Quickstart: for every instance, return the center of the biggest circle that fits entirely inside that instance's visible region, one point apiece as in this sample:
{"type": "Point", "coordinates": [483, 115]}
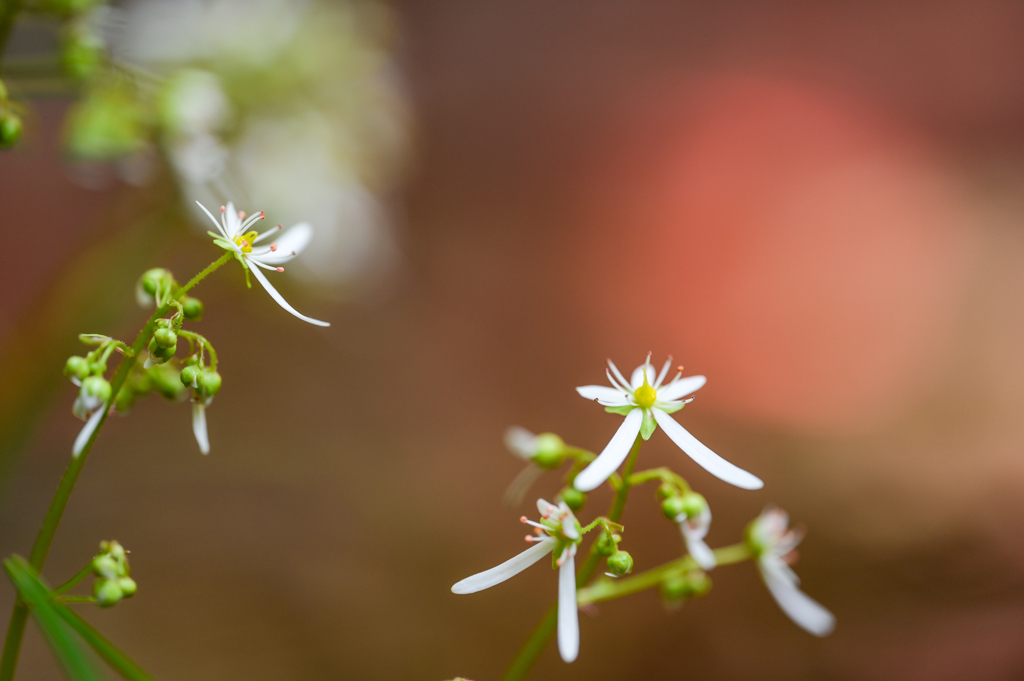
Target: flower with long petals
{"type": "Point", "coordinates": [694, 526]}
{"type": "Point", "coordinates": [558, 532]}
{"type": "Point", "coordinates": [773, 544]}
{"type": "Point", "coordinates": [232, 236]}
{"type": "Point", "coordinates": [646, 405]}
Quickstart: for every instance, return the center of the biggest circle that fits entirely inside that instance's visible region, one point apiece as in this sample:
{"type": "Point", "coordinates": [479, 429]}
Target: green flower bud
{"type": "Point", "coordinates": [208, 382]}
{"type": "Point", "coordinates": [106, 566]}
{"type": "Point", "coordinates": [550, 450]}
{"type": "Point", "coordinates": [675, 588]}
{"type": "Point", "coordinates": [10, 129]}
{"type": "Point", "coordinates": [166, 382]}
{"type": "Point", "coordinates": [98, 368]}
{"type": "Point", "coordinates": [693, 504]}
{"type": "Point", "coordinates": [620, 563]}
{"type": "Point", "coordinates": [699, 582]}
{"type": "Point", "coordinates": [159, 353]}
{"type": "Point", "coordinates": [165, 338]}
{"type": "Point", "coordinates": [573, 498]}
{"type": "Point", "coordinates": [128, 586]}
{"type": "Point", "coordinates": [107, 592]}
{"type": "Point", "coordinates": [153, 279]}
{"type": "Point", "coordinates": [96, 387]}
{"type": "Point", "coordinates": [192, 308]}
{"type": "Point", "coordinates": [690, 585]}
{"type": "Point", "coordinates": [672, 507]}
{"type": "Point", "coordinates": [77, 367]}
{"type": "Point", "coordinates": [188, 376]}
{"type": "Point", "coordinates": [607, 544]}
{"type": "Point", "coordinates": [666, 490]}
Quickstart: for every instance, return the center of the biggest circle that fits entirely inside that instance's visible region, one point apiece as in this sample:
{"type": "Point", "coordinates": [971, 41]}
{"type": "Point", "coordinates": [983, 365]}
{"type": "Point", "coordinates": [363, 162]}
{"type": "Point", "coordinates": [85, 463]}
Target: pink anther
{"type": "Point", "coordinates": [280, 269]}
{"type": "Point", "coordinates": [241, 215]}
{"type": "Point", "coordinates": [223, 209]}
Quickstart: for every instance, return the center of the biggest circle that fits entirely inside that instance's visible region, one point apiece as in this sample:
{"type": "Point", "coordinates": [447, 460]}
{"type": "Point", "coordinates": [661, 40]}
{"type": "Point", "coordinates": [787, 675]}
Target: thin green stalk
{"type": "Point", "coordinates": [19, 616]}
{"type": "Point", "coordinates": [8, 11]}
{"type": "Point", "coordinates": [542, 635]}
{"type": "Point", "coordinates": [71, 583]}
{"type": "Point", "coordinates": [107, 650]}
{"type": "Point", "coordinates": [606, 590]}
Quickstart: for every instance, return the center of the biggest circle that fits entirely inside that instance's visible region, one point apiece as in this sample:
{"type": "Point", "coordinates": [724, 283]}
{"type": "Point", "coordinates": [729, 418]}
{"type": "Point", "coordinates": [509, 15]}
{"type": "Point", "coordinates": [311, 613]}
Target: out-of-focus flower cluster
{"type": "Point", "coordinates": [296, 106]}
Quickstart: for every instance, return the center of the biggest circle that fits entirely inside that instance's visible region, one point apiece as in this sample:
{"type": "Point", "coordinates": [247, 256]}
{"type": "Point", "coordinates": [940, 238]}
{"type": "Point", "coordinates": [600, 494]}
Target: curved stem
{"type": "Point", "coordinates": [541, 636]}
{"type": "Point", "coordinates": [41, 547]}
{"type": "Point", "coordinates": [71, 583]}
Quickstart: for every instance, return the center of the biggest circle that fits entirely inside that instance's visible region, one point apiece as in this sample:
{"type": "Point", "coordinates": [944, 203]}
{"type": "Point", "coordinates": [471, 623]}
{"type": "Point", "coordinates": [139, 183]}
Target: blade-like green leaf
{"type": "Point", "coordinates": [66, 647]}
{"type": "Point", "coordinates": [114, 657]}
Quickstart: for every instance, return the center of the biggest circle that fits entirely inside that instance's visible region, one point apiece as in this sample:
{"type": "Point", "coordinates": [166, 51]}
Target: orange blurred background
{"type": "Point", "coordinates": [818, 206]}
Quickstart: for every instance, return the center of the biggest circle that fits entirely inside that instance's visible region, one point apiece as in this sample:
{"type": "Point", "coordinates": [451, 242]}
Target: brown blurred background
{"type": "Point", "coordinates": [817, 205]}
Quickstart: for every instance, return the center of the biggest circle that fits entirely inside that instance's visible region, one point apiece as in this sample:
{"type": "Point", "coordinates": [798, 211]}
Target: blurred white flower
{"type": "Point", "coordinates": [292, 105]}
{"type": "Point", "coordinates": [233, 237]}
{"type": "Point", "coordinates": [645, 404]}
{"type": "Point", "coordinates": [773, 543]}
{"type": "Point", "coordinates": [557, 531]}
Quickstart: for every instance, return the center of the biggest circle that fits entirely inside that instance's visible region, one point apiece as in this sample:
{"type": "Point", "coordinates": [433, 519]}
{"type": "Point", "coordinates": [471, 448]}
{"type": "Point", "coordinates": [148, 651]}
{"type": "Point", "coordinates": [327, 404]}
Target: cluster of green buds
{"type": "Point", "coordinates": [679, 504]}
{"type": "Point", "coordinates": [618, 562]}
{"type": "Point", "coordinates": [10, 121]}
{"type": "Point", "coordinates": [157, 287]}
{"type": "Point", "coordinates": [113, 580]}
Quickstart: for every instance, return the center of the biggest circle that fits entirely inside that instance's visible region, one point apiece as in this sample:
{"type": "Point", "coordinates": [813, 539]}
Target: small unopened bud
{"type": "Point", "coordinates": [550, 450]}
{"type": "Point", "coordinates": [607, 544]}
{"type": "Point", "coordinates": [107, 592]}
{"type": "Point", "coordinates": [666, 490]}
{"type": "Point", "coordinates": [672, 507]}
{"type": "Point", "coordinates": [96, 387]}
{"type": "Point", "coordinates": [693, 504]}
{"type": "Point", "coordinates": [159, 353]}
{"type": "Point", "coordinates": [10, 128]}
{"type": "Point", "coordinates": [620, 563]}
{"type": "Point", "coordinates": [153, 279]}
{"type": "Point", "coordinates": [76, 367]}
{"type": "Point", "coordinates": [192, 308]}
{"type": "Point", "coordinates": [573, 498]}
{"type": "Point", "coordinates": [679, 587]}
{"type": "Point", "coordinates": [165, 338]}
{"type": "Point", "coordinates": [699, 582]}
{"type": "Point", "coordinates": [106, 566]}
{"type": "Point", "coordinates": [208, 382]}
{"type": "Point", "coordinates": [128, 586]}
{"type": "Point", "coordinates": [188, 376]}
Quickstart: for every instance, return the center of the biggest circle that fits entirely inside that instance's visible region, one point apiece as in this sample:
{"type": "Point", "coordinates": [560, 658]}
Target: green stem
{"type": "Point", "coordinates": [541, 636]}
{"type": "Point", "coordinates": [76, 599]}
{"type": "Point", "coordinates": [107, 650]}
{"type": "Point", "coordinates": [19, 616]}
{"type": "Point", "coordinates": [606, 590]}
{"type": "Point", "coordinates": [8, 10]}
{"type": "Point", "coordinates": [71, 583]}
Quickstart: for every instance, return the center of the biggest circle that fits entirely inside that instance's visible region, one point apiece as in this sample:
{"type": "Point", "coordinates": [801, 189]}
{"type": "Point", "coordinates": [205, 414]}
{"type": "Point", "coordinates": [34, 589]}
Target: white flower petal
{"type": "Point", "coordinates": [545, 508]}
{"type": "Point", "coordinates": [699, 550]}
{"type": "Point", "coordinates": [806, 612]}
{"type": "Point", "coordinates": [609, 397]}
{"type": "Point", "coordinates": [87, 431]}
{"type": "Point", "coordinates": [260, 277]}
{"type": "Point", "coordinates": [681, 388]}
{"type": "Point", "coordinates": [521, 484]}
{"type": "Point", "coordinates": [233, 222]}
{"type": "Point", "coordinates": [521, 442]}
{"type": "Point", "coordinates": [696, 450]}
{"type": "Point", "coordinates": [295, 238]}
{"type": "Point", "coordinates": [511, 567]}
{"type": "Point", "coordinates": [614, 453]}
{"type": "Point", "coordinates": [568, 616]}
{"type": "Point", "coordinates": [216, 222]}
{"type": "Point", "coordinates": [199, 427]}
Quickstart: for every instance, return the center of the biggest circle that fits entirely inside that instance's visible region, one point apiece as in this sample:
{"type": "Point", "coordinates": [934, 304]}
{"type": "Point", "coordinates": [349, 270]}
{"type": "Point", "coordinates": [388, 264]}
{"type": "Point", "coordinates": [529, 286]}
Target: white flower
{"type": "Point", "coordinates": [694, 530]}
{"type": "Point", "coordinates": [773, 542]}
{"type": "Point", "coordinates": [557, 531]}
{"type": "Point", "coordinates": [233, 237]}
{"type": "Point", "coordinates": [645, 406]}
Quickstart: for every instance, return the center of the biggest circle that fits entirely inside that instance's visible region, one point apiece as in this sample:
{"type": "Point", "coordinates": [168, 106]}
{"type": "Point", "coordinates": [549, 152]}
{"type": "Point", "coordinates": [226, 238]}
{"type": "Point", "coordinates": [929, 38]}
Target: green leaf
{"type": "Point", "coordinates": [114, 657]}
{"type": "Point", "coordinates": [66, 647]}
{"type": "Point", "coordinates": [223, 244]}
{"type": "Point", "coordinates": [624, 409]}
{"type": "Point", "coordinates": [673, 409]}
{"type": "Point", "coordinates": [648, 426]}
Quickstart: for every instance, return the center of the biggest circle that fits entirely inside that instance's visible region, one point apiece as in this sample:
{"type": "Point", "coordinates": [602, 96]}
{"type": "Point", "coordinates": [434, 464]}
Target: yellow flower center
{"type": "Point", "coordinates": [645, 394]}
{"type": "Point", "coordinates": [245, 241]}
